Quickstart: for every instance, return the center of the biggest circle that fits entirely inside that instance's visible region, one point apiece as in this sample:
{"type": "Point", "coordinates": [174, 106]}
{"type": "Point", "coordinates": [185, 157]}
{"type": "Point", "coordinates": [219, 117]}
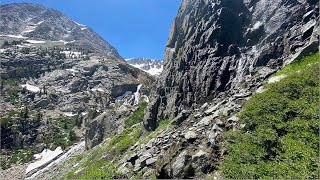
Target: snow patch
{"type": "Point", "coordinates": [72, 70]}
{"type": "Point", "coordinates": [146, 98]}
{"type": "Point", "coordinates": [84, 113]}
{"type": "Point", "coordinates": [153, 71]}
{"type": "Point", "coordinates": [62, 89]}
{"type": "Point", "coordinates": [72, 54]}
{"type": "Point", "coordinates": [64, 42]}
{"type": "Point", "coordinates": [257, 25]}
{"type": "Point", "coordinates": [43, 158]}
{"type": "Point", "coordinates": [15, 36]}
{"type": "Point", "coordinates": [261, 89]}
{"type": "Point", "coordinates": [31, 88]}
{"type": "Point", "coordinates": [79, 23]}
{"type": "Point", "coordinates": [97, 89]}
{"type": "Point", "coordinates": [61, 159]}
{"type": "Point", "coordinates": [35, 42]}
{"type": "Point", "coordinates": [69, 114]}
{"type": "Point", "coordinates": [31, 27]}
{"type": "Point", "coordinates": [276, 78]}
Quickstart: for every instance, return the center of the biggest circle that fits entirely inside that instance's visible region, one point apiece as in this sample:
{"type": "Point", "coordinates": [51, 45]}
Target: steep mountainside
{"type": "Point", "coordinates": [219, 48]}
{"type": "Point", "coordinates": [236, 99]}
{"type": "Point", "coordinates": [151, 66]}
{"type": "Point", "coordinates": [52, 91]}
{"type": "Point", "coordinates": [37, 23]}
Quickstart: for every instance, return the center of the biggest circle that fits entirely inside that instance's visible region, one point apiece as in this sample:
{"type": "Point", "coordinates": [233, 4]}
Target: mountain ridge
{"type": "Point", "coordinates": [37, 22]}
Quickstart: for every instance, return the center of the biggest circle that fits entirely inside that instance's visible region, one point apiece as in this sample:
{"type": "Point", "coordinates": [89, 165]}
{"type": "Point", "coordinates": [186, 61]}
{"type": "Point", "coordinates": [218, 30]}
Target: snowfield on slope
{"type": "Point", "coordinates": [43, 158]}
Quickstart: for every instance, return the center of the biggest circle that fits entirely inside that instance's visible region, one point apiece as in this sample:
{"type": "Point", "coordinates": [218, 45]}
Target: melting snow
{"type": "Point", "coordinates": [31, 88]}
{"type": "Point", "coordinates": [257, 25]}
{"type": "Point", "coordinates": [15, 36]}
{"type": "Point", "coordinates": [61, 159]}
{"type": "Point", "coordinates": [72, 70]}
{"type": "Point", "coordinates": [152, 71]}
{"type": "Point", "coordinates": [64, 42]}
{"type": "Point", "coordinates": [97, 89]}
{"type": "Point", "coordinates": [35, 42]}
{"type": "Point", "coordinates": [260, 90]}
{"type": "Point", "coordinates": [155, 71]}
{"type": "Point", "coordinates": [72, 54]}
{"type": "Point", "coordinates": [79, 23]}
{"type": "Point", "coordinates": [69, 114]}
{"type": "Point", "coordinates": [31, 27]}
{"type": "Point", "coordinates": [43, 158]}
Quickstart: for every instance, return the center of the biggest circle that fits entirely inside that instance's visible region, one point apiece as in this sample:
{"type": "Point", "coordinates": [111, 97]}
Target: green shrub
{"type": "Point", "coordinates": [17, 157]}
{"type": "Point", "coordinates": [163, 124]}
{"type": "Point", "coordinates": [281, 136]}
{"type": "Point", "coordinates": [125, 139]}
{"type": "Point", "coordinates": [100, 169]}
{"type": "Point", "coordinates": [66, 122]}
{"type": "Point", "coordinates": [5, 120]}
{"type": "Point", "coordinates": [96, 168]}
{"type": "Point", "coordinates": [137, 116]}
{"type": "Point", "coordinates": [300, 64]}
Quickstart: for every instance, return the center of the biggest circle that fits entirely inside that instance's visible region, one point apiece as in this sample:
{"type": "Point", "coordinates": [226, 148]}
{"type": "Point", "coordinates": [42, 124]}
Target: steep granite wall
{"type": "Point", "coordinates": [217, 47]}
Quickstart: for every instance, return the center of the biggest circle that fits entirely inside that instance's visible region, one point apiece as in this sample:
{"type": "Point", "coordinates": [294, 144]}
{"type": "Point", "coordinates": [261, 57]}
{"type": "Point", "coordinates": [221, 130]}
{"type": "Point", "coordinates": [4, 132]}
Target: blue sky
{"type": "Point", "coordinates": [137, 28]}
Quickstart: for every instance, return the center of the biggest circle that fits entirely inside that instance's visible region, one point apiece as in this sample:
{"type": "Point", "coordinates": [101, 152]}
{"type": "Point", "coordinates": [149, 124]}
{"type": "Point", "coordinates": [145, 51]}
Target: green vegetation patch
{"type": "Point", "coordinates": [137, 116]}
{"type": "Point", "coordinates": [281, 136]}
{"type": "Point", "coordinates": [97, 170]}
{"type": "Point", "coordinates": [7, 117]}
{"type": "Point", "coordinates": [96, 167]}
{"type": "Point", "coordinates": [11, 89]}
{"type": "Point", "coordinates": [303, 63]}
{"type": "Point", "coordinates": [66, 122]}
{"type": "Point", "coordinates": [17, 157]}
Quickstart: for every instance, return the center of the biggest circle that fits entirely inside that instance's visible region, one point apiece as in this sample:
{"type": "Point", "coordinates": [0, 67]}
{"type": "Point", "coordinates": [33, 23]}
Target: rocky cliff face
{"type": "Point", "coordinates": [35, 22]}
{"type": "Point", "coordinates": [216, 48]}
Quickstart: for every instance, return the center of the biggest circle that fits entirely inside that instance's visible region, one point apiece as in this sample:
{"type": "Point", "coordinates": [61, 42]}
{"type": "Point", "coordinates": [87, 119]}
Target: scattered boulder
{"type": "Point", "coordinates": [190, 135]}
{"type": "Point", "coordinates": [213, 133]}
{"type": "Point", "coordinates": [151, 161]}
{"type": "Point", "coordinates": [181, 117]}
{"type": "Point", "coordinates": [200, 161]}
{"type": "Point", "coordinates": [205, 121]}
{"type": "Point", "coordinates": [179, 164]}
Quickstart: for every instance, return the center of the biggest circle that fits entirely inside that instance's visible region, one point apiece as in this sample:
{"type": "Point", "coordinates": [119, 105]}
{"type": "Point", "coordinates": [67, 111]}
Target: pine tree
{"type": "Point", "coordinates": [6, 44]}
{"type": "Point", "coordinates": [39, 116]}
{"type": "Point", "coordinates": [26, 112]}
{"type": "Point", "coordinates": [72, 135]}
{"type": "Point", "coordinates": [65, 125]}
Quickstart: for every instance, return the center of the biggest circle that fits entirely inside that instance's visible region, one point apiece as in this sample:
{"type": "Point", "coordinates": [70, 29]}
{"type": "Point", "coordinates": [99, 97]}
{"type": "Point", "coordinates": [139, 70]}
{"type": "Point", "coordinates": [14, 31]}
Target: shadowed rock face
{"type": "Point", "coordinates": [217, 46]}
{"type": "Point", "coordinates": [37, 22]}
